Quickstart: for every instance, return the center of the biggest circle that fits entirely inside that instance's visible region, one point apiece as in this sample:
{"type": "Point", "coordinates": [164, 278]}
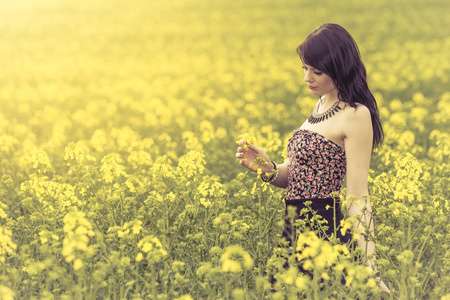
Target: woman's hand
{"type": "Point", "coordinates": [384, 287]}
{"type": "Point", "coordinates": [370, 263]}
{"type": "Point", "coordinates": [251, 157]}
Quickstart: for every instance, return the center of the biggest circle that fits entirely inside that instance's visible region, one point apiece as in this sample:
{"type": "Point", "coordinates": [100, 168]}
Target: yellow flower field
{"type": "Point", "coordinates": [118, 128]}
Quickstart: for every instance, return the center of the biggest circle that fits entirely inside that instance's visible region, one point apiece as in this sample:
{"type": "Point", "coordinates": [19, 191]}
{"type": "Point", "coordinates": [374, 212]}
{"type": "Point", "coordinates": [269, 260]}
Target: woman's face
{"type": "Point", "coordinates": [318, 82]}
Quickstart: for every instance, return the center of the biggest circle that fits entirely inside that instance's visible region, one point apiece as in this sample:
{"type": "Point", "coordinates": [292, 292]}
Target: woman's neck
{"type": "Point", "coordinates": [328, 99]}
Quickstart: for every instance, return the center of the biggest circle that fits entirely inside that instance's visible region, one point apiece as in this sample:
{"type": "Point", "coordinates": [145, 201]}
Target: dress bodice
{"type": "Point", "coordinates": [317, 166]}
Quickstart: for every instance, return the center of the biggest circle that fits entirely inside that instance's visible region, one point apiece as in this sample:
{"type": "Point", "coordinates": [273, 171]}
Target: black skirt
{"type": "Point", "coordinates": [327, 208]}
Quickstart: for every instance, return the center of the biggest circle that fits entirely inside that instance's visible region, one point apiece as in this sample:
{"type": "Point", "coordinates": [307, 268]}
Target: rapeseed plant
{"type": "Point", "coordinates": [136, 139]}
{"type": "Point", "coordinates": [191, 164]}
{"type": "Point", "coordinates": [153, 249]}
{"type": "Point", "coordinates": [78, 230]}
{"type": "Point", "coordinates": [41, 162]}
{"type": "Point", "coordinates": [7, 245]}
{"type": "Point", "coordinates": [112, 167]}
{"type": "Point", "coordinates": [3, 207]}
{"type": "Point", "coordinates": [235, 258]}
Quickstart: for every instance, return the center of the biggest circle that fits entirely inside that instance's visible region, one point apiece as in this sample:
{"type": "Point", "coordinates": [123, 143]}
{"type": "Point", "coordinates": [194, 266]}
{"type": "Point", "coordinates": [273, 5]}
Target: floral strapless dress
{"type": "Point", "coordinates": [316, 172]}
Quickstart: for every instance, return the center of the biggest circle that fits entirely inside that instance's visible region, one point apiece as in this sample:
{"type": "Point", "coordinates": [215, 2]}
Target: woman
{"type": "Point", "coordinates": [335, 141]}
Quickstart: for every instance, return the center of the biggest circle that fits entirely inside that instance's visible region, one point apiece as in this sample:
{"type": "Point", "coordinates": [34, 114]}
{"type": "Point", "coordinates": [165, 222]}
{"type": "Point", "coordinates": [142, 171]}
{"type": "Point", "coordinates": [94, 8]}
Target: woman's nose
{"type": "Point", "coordinates": [308, 77]}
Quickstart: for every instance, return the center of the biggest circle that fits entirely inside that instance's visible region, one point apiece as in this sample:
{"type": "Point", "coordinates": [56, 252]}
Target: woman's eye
{"type": "Point", "coordinates": [315, 71]}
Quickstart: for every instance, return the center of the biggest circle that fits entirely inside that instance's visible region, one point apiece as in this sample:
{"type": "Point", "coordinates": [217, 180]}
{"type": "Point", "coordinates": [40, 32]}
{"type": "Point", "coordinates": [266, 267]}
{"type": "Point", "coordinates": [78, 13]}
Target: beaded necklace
{"type": "Point", "coordinates": [315, 117]}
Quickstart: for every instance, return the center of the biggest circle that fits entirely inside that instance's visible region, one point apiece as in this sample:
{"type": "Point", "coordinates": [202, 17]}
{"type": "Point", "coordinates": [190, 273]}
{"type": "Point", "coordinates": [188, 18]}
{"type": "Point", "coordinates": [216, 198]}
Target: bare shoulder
{"type": "Point", "coordinates": [356, 114]}
{"type": "Point", "coordinates": [357, 120]}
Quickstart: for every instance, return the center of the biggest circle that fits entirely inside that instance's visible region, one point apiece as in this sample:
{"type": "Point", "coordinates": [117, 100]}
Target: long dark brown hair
{"type": "Point", "coordinates": [332, 50]}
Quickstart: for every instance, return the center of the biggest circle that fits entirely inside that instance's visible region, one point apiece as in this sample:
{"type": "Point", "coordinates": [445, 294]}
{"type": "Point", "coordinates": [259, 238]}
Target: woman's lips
{"type": "Point", "coordinates": [311, 87]}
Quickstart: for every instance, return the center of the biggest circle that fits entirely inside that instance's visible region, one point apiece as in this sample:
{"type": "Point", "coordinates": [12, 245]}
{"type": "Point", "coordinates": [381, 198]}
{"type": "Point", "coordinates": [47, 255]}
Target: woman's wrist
{"type": "Point", "coordinates": [271, 175]}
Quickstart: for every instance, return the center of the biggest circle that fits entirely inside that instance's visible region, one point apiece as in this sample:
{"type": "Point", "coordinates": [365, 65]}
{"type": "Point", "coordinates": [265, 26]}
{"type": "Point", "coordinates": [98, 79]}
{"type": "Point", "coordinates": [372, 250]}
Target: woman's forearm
{"type": "Point", "coordinates": [282, 176]}
{"type": "Point", "coordinates": [363, 210]}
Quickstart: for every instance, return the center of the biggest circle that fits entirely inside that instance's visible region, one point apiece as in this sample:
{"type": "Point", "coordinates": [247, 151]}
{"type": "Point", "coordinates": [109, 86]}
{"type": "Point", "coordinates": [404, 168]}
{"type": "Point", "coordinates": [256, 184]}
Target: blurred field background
{"type": "Point", "coordinates": [124, 114]}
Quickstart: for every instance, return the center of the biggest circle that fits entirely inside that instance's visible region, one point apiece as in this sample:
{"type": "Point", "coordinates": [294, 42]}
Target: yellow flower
{"type": "Point", "coordinates": [99, 140]}
{"type": "Point", "coordinates": [41, 162]}
{"type": "Point", "coordinates": [111, 167]}
{"type": "Point", "coordinates": [288, 279]}
{"type": "Point", "coordinates": [204, 202]}
{"type": "Point", "coordinates": [307, 265]}
{"type": "Point", "coordinates": [184, 297]}
{"type": "Point", "coordinates": [77, 264]}
{"type": "Point", "coordinates": [191, 164]}
{"type": "Point", "coordinates": [231, 266]}
{"type": "Point", "coordinates": [3, 214]}
{"type": "Point", "coordinates": [78, 230]}
{"type": "Point", "coordinates": [245, 139]}
{"type": "Point", "coordinates": [325, 276]}
{"type": "Point", "coordinates": [139, 257]}
{"type": "Point", "coordinates": [345, 225]}
{"type": "Point", "coordinates": [406, 140]}
{"type": "Point", "coordinates": [207, 130]}
{"type": "Point", "coordinates": [235, 258]}
{"type": "Point", "coordinates": [137, 227]}
{"type": "Point", "coordinates": [147, 247]}
{"type": "Point", "coordinates": [151, 245]}
{"type": "Point", "coordinates": [7, 246]}
{"type": "Point", "coordinates": [301, 283]}
{"type": "Point", "coordinates": [371, 283]}
{"type": "Point", "coordinates": [73, 151]}
{"type": "Point", "coordinates": [191, 141]}
{"type": "Point", "coordinates": [348, 280]}
{"type": "Point", "coordinates": [6, 293]}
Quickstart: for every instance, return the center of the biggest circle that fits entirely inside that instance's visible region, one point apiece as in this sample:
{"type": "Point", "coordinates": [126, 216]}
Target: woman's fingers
{"type": "Point", "coordinates": [253, 147]}
{"type": "Point", "coordinates": [248, 153]}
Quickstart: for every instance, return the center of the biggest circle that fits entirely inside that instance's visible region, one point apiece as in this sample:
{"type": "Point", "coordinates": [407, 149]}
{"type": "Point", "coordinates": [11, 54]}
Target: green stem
{"type": "Point", "coordinates": [334, 217]}
{"type": "Point", "coordinates": [153, 282]}
{"type": "Point", "coordinates": [259, 223]}
{"type": "Point", "coordinates": [315, 287]}
{"type": "Point", "coordinates": [426, 279]}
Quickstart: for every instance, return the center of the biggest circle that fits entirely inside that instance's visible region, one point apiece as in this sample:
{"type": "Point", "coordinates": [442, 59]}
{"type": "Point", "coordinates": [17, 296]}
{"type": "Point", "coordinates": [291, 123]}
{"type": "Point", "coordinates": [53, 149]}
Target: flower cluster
{"type": "Point", "coordinates": [112, 167]}
{"type": "Point", "coordinates": [78, 230]}
{"type": "Point", "coordinates": [151, 249]}
{"type": "Point", "coordinates": [234, 259]}
{"type": "Point", "coordinates": [245, 139]}
{"type": "Point", "coordinates": [7, 246]}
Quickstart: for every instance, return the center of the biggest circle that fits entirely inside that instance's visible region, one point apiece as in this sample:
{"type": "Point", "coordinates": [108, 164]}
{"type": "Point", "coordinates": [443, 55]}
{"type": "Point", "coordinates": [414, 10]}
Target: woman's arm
{"type": "Point", "coordinates": [358, 150]}
{"type": "Point", "coordinates": [248, 158]}
{"type": "Point", "coordinates": [283, 174]}
{"type": "Point", "coordinates": [358, 136]}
